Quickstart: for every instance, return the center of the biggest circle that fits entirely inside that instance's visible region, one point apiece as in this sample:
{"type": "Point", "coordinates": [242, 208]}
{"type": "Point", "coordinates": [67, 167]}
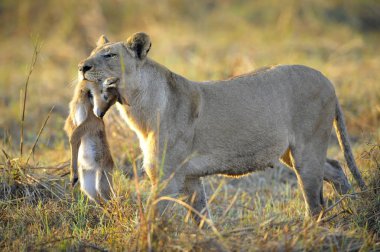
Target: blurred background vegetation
{"type": "Point", "coordinates": [199, 39]}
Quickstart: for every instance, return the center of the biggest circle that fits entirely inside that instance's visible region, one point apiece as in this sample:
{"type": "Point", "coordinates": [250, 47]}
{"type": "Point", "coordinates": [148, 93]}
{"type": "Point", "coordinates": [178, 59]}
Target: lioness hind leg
{"type": "Point", "coordinates": [310, 178]}
{"type": "Point", "coordinates": [334, 175]}
{"type": "Point", "coordinates": [309, 170]}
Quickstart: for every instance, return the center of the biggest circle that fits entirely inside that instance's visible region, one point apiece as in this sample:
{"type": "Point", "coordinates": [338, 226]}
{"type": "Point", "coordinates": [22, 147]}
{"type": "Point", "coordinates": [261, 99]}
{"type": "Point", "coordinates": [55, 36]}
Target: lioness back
{"type": "Point", "coordinates": [233, 108]}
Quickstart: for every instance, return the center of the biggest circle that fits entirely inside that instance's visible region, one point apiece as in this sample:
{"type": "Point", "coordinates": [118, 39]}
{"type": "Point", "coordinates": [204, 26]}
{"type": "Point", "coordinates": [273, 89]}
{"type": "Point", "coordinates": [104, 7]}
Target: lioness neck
{"type": "Point", "coordinates": [155, 93]}
{"type": "Point", "coordinates": [147, 93]}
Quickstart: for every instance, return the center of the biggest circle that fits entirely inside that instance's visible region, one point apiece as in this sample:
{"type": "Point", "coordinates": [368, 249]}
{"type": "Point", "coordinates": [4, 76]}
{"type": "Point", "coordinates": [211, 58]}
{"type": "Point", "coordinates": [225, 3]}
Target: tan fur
{"type": "Point", "coordinates": [230, 127]}
{"type": "Point", "coordinates": [86, 131]}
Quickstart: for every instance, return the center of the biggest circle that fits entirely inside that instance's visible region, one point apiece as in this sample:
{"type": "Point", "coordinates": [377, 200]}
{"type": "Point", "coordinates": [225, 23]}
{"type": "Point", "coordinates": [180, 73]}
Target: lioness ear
{"type": "Point", "coordinates": [102, 40]}
{"type": "Point", "coordinates": [139, 43]}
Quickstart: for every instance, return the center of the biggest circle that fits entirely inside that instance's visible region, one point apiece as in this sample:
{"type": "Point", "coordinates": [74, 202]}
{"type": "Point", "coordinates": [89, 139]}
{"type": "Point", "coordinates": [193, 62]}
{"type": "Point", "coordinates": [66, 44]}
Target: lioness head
{"type": "Point", "coordinates": [120, 59]}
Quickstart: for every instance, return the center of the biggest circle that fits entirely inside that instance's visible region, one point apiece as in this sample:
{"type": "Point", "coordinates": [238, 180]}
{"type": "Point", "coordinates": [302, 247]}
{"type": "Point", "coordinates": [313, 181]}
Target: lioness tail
{"type": "Point", "coordinates": [341, 132]}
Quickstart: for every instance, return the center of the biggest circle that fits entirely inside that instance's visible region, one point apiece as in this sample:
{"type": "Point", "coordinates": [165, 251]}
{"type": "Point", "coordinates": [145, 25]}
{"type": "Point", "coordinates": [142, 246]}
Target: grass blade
{"type": "Point", "coordinates": [39, 134]}
{"type": "Point", "coordinates": [37, 47]}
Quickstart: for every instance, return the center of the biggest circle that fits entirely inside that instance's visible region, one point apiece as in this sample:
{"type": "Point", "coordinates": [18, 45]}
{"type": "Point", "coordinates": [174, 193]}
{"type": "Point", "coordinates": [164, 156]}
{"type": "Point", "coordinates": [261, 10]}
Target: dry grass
{"type": "Point", "coordinates": [200, 40]}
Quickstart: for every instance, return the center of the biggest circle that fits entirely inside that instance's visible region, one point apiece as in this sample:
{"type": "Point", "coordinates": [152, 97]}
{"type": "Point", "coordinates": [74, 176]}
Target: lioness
{"type": "Point", "coordinates": [88, 140]}
{"type": "Point", "coordinates": [231, 127]}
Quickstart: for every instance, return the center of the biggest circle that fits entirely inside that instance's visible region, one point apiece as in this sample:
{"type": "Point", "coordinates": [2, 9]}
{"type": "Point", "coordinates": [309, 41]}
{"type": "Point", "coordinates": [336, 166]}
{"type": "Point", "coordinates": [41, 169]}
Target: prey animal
{"type": "Point", "coordinates": [86, 131]}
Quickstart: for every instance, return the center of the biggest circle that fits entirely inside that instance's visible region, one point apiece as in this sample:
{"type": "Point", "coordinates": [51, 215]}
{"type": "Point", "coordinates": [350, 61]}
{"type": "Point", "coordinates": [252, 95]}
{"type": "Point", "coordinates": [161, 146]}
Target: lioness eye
{"type": "Point", "coordinates": [105, 97]}
{"type": "Point", "coordinates": [109, 55]}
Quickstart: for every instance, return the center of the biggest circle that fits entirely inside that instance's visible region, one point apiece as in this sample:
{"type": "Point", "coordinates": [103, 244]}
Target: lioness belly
{"type": "Point", "coordinates": [244, 163]}
{"type": "Point", "coordinates": [234, 163]}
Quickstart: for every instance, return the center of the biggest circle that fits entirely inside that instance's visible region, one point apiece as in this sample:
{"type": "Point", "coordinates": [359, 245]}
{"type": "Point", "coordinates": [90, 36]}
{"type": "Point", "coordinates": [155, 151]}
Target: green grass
{"type": "Point", "coordinates": [199, 40]}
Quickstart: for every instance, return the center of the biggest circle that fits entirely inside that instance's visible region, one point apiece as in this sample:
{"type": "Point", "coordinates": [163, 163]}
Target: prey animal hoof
{"type": "Point", "coordinates": [74, 181]}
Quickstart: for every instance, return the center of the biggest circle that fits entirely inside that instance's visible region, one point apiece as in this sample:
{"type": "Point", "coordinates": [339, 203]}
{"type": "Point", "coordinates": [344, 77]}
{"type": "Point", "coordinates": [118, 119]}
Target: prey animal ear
{"type": "Point", "coordinates": [102, 40]}
{"type": "Point", "coordinates": [139, 43]}
{"type": "Point", "coordinates": [110, 82]}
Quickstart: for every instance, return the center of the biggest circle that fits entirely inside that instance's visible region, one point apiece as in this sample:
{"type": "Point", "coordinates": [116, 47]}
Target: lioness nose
{"type": "Point", "coordinates": [84, 67]}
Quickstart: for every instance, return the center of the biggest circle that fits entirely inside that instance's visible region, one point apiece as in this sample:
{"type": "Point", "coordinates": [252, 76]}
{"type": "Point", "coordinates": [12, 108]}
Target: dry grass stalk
{"type": "Point", "coordinates": [37, 48]}
{"type": "Point", "coordinates": [190, 208]}
{"type": "Point", "coordinates": [38, 135]}
{"type": "Point", "coordinates": [145, 226]}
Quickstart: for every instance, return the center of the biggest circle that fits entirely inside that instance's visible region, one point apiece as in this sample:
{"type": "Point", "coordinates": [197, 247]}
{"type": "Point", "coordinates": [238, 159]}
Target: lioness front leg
{"type": "Point", "coordinates": [194, 192]}
{"type": "Point", "coordinates": [170, 189]}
